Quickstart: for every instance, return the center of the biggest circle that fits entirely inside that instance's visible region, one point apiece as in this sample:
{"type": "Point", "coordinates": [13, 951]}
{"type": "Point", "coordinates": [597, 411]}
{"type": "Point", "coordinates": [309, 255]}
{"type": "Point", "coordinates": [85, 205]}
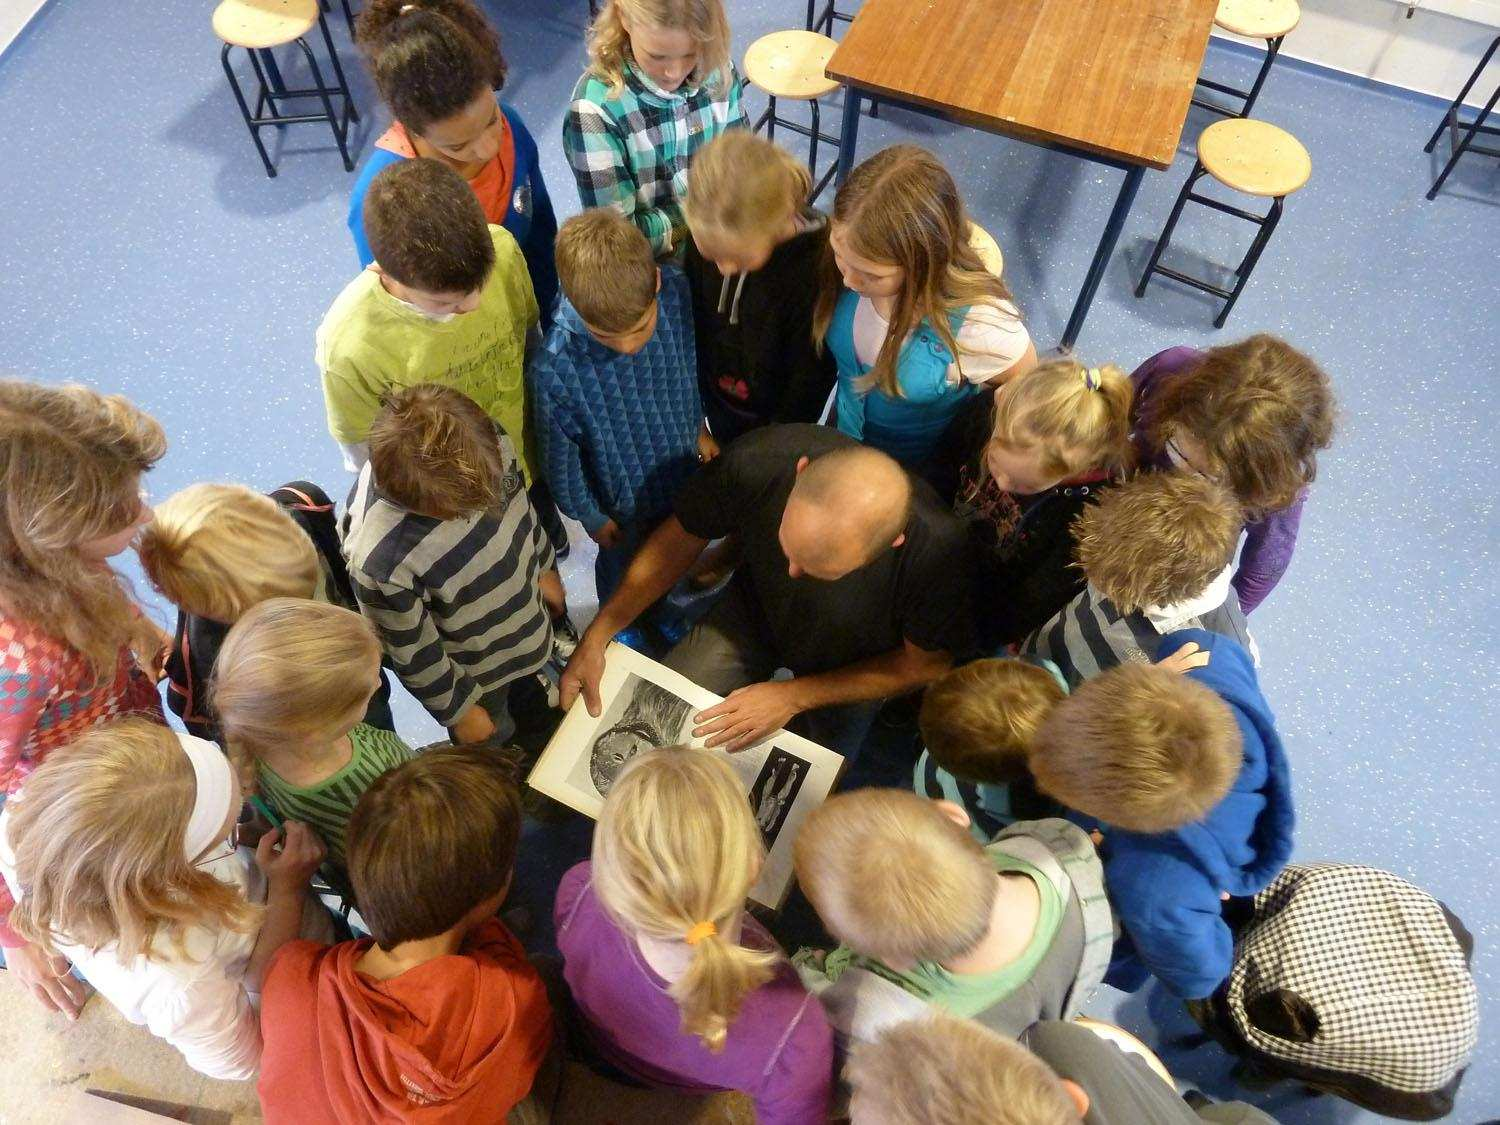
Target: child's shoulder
{"type": "Point", "coordinates": [349, 316]}
{"type": "Point", "coordinates": [593, 89]}
{"type": "Point", "coordinates": [507, 250]}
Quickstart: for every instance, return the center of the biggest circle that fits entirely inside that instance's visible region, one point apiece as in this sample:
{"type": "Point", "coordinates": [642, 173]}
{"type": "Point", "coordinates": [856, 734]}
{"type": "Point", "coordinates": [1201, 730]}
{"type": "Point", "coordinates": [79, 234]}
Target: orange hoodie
{"type": "Point", "coordinates": [458, 1039]}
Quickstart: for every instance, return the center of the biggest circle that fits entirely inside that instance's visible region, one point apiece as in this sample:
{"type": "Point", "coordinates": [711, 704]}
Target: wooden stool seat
{"type": "Point", "coordinates": [788, 64]}
{"type": "Point", "coordinates": [1127, 1043]}
{"type": "Point", "coordinates": [1258, 19]}
{"type": "Point", "coordinates": [257, 24]}
{"type": "Point", "coordinates": [987, 248]}
{"type": "Point", "coordinates": [1254, 157]}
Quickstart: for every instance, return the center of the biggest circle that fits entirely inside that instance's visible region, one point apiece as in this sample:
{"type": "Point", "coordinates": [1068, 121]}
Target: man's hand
{"type": "Point", "coordinates": [554, 597]}
{"type": "Point", "coordinates": [474, 725]}
{"type": "Point", "coordinates": [47, 977]}
{"type": "Point", "coordinates": [708, 448]}
{"type": "Point", "coordinates": [607, 536]}
{"type": "Point", "coordinates": [748, 714]}
{"type": "Point", "coordinates": [584, 671]}
{"type": "Point", "coordinates": [1188, 657]}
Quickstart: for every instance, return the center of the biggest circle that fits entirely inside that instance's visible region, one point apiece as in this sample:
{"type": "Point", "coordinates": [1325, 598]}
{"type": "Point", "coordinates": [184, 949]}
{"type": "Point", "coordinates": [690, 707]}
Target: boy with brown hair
{"type": "Point", "coordinates": [1158, 552]}
{"type": "Point", "coordinates": [618, 416]}
{"type": "Point", "coordinates": [449, 561]}
{"type": "Point", "coordinates": [1005, 934]}
{"type": "Point", "coordinates": [438, 1015]}
{"type": "Point", "coordinates": [1186, 778]}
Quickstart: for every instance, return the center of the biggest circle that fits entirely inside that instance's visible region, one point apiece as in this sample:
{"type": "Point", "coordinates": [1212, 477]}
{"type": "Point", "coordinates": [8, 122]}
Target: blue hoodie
{"type": "Point", "coordinates": [1165, 886]}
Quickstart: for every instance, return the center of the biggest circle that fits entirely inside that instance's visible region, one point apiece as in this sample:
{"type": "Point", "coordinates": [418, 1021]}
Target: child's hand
{"type": "Point", "coordinates": [1189, 656]}
{"type": "Point", "coordinates": [554, 597]}
{"type": "Point", "coordinates": [608, 535]}
{"type": "Point", "coordinates": [289, 868]}
{"type": "Point", "coordinates": [474, 725]}
{"type": "Point", "coordinates": [708, 448]}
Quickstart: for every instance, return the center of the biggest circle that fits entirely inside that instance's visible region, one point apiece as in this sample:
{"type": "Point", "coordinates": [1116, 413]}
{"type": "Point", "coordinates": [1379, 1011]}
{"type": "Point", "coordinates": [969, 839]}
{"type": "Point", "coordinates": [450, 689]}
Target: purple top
{"type": "Point", "coordinates": [1270, 541]}
{"type": "Point", "coordinates": [779, 1050]}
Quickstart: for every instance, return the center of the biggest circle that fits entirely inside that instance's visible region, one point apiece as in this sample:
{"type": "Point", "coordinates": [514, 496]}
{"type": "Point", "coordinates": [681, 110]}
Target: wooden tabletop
{"type": "Point", "coordinates": [1112, 77]}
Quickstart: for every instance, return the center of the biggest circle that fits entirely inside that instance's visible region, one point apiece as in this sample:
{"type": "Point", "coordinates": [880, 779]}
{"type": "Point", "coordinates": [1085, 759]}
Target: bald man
{"type": "Point", "coordinates": [853, 577]}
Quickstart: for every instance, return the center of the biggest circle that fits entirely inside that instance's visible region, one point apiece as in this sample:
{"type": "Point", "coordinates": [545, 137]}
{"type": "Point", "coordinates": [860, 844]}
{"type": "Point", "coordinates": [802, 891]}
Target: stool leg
{"type": "Point", "coordinates": [770, 118]}
{"type": "Point", "coordinates": [1166, 231]}
{"type": "Point", "coordinates": [349, 18]}
{"type": "Point", "coordinates": [239, 97]}
{"type": "Point", "coordinates": [339, 132]}
{"type": "Point", "coordinates": [1273, 48]}
{"type": "Point", "coordinates": [1462, 94]}
{"type": "Point", "coordinates": [811, 12]}
{"type": "Point", "coordinates": [1261, 239]}
{"type": "Point", "coordinates": [338, 71]}
{"type": "Point", "coordinates": [812, 147]}
{"type": "Point", "coordinates": [1463, 145]}
{"type": "Point", "coordinates": [761, 120]}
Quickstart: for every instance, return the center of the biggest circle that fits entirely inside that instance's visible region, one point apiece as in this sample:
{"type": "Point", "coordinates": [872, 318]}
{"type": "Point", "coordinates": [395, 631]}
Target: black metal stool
{"type": "Point", "coordinates": [1254, 157]}
{"type": "Point", "coordinates": [822, 22]}
{"type": "Point", "coordinates": [1270, 20]}
{"type": "Point", "coordinates": [1451, 122]}
{"type": "Point", "coordinates": [256, 26]}
{"type": "Point", "coordinates": [790, 64]}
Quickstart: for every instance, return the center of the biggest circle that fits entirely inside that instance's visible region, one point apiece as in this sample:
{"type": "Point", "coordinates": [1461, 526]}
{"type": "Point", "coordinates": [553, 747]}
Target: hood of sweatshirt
{"type": "Point", "coordinates": [455, 1039]}
{"type": "Point", "coordinates": [1247, 838]}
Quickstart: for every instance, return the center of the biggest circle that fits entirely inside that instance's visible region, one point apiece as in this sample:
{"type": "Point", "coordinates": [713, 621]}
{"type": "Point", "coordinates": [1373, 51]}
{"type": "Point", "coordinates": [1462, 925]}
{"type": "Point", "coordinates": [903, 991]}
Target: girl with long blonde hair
{"type": "Point", "coordinates": [660, 85]}
{"type": "Point", "coordinates": [915, 322]}
{"type": "Point", "coordinates": [121, 855]}
{"type": "Point", "coordinates": [677, 984]}
{"type": "Point", "coordinates": [71, 462]}
{"type": "Point", "coordinates": [753, 265]}
{"type": "Point", "coordinates": [1019, 466]}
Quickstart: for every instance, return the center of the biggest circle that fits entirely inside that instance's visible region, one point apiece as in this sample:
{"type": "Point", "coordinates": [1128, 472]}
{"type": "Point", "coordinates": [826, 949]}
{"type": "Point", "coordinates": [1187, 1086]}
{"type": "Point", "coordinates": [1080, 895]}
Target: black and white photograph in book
{"type": "Point", "coordinates": [643, 715]}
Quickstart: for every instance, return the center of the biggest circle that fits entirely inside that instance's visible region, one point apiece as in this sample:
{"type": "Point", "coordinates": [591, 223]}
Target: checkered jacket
{"type": "Point", "coordinates": [631, 150]}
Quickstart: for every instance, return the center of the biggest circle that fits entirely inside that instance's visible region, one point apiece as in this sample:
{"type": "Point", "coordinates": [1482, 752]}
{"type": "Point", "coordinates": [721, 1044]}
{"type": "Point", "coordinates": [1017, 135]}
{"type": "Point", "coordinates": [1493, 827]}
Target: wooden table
{"type": "Point", "coordinates": [1106, 80]}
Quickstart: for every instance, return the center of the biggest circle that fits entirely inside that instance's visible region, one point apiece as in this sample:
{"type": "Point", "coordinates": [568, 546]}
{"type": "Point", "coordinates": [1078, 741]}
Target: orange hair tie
{"type": "Point", "coordinates": [700, 931]}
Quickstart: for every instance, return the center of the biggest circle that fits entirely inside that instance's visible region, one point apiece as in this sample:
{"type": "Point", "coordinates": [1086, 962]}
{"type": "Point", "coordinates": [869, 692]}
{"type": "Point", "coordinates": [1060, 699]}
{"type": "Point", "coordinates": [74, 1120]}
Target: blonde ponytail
{"type": "Point", "coordinates": [1077, 416]}
{"type": "Point", "coordinates": [675, 852]}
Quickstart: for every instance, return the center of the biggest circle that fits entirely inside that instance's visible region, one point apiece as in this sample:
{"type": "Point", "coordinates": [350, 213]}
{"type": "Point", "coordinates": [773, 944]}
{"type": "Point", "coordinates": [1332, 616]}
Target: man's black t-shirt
{"type": "Point", "coordinates": [919, 592]}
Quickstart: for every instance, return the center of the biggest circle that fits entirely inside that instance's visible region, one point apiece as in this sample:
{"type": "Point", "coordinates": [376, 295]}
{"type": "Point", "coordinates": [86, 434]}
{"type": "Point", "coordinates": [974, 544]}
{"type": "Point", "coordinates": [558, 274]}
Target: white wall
{"type": "Point", "coordinates": [14, 15]}
{"type": "Point", "coordinates": [1434, 52]}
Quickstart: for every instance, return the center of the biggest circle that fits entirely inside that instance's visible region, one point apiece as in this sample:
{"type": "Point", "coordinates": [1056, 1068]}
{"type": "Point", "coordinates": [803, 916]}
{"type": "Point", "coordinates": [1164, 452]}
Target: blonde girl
{"type": "Point", "coordinates": [753, 265]}
{"type": "Point", "coordinates": [121, 854]}
{"type": "Point", "coordinates": [216, 550]}
{"type": "Point", "coordinates": [1020, 469]}
{"type": "Point", "coordinates": [915, 322]}
{"type": "Point", "coordinates": [290, 690]}
{"type": "Point", "coordinates": [677, 985]}
{"type": "Point", "coordinates": [71, 462]}
{"type": "Point", "coordinates": [660, 85]}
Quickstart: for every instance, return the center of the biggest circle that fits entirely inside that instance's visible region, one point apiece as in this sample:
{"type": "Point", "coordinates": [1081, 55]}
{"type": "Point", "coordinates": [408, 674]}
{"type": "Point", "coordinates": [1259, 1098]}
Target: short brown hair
{"type": "Point", "coordinates": [893, 877]}
{"type": "Point", "coordinates": [1157, 539]}
{"type": "Point", "coordinates": [426, 228]}
{"type": "Point", "coordinates": [946, 1071]}
{"type": "Point", "coordinates": [1261, 409]}
{"type": "Point", "coordinates": [606, 269]}
{"type": "Point", "coordinates": [432, 839]}
{"type": "Point", "coordinates": [435, 452]}
{"type": "Point", "coordinates": [978, 720]}
{"type": "Point", "coordinates": [1140, 747]}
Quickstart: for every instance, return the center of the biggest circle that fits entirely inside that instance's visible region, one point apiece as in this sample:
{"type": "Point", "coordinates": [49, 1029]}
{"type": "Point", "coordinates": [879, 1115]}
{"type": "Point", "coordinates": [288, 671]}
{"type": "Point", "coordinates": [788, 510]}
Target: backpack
{"type": "Point", "coordinates": [1354, 983]}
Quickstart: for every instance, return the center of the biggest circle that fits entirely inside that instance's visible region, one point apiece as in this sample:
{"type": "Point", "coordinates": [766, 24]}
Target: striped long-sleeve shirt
{"type": "Point", "coordinates": [457, 602]}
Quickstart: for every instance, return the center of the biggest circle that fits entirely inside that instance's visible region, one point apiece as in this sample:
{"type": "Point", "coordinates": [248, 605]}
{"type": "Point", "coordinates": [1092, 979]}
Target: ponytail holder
{"type": "Point", "coordinates": [700, 931]}
{"type": "Point", "coordinates": [1090, 378]}
{"type": "Point", "coordinates": [406, 8]}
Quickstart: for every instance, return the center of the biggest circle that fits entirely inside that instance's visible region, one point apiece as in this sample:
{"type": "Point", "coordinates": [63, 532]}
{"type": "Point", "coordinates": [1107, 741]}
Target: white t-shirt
{"type": "Point", "coordinates": [990, 340]}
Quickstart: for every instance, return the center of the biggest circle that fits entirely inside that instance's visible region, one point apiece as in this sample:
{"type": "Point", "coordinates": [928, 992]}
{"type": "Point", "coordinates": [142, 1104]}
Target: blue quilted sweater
{"type": "Point", "coordinates": [618, 433]}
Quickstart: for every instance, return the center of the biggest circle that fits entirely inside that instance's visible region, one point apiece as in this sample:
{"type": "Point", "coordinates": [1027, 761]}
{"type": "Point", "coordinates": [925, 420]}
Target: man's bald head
{"type": "Point", "coordinates": [845, 509]}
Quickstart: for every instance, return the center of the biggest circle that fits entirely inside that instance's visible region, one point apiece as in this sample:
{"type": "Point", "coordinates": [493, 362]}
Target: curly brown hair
{"type": "Point", "coordinates": [1157, 539]}
{"type": "Point", "coordinates": [435, 452]}
{"type": "Point", "coordinates": [1261, 410]}
{"type": "Point", "coordinates": [429, 59]}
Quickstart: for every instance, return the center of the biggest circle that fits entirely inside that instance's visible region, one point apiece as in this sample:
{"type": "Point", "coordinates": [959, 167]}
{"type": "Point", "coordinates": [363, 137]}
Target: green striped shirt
{"type": "Point", "coordinates": [327, 806]}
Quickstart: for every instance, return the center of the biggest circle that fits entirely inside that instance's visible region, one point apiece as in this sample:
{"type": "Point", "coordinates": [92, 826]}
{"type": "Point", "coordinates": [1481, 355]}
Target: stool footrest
{"type": "Point", "coordinates": [1227, 208]}
{"type": "Point", "coordinates": [1196, 283]}
{"type": "Point", "coordinates": [1457, 126]}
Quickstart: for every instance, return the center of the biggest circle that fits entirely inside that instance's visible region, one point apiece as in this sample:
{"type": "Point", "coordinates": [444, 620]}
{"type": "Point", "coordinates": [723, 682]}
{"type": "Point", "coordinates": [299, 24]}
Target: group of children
{"type": "Point", "coordinates": [1090, 791]}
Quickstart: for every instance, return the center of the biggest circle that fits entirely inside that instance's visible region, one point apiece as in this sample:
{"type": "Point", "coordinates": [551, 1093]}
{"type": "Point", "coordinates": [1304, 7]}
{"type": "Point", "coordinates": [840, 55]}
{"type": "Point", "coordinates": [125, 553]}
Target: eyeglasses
{"type": "Point", "coordinates": [225, 848]}
{"type": "Point", "coordinates": [1181, 460]}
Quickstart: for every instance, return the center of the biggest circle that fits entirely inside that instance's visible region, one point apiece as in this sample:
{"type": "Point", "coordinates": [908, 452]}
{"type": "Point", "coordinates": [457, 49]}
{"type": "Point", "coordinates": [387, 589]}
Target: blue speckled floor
{"type": "Point", "coordinates": [145, 251]}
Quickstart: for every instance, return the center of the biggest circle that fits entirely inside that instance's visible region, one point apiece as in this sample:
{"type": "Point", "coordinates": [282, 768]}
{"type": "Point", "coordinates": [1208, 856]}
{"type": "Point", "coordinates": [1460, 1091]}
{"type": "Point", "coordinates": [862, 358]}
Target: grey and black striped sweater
{"type": "Point", "coordinates": [457, 602]}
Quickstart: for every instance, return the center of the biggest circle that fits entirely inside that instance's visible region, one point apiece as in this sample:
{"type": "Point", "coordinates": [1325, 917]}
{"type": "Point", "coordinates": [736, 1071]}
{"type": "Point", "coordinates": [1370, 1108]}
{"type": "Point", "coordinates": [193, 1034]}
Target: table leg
{"type": "Point", "coordinates": [848, 134]}
{"type": "Point", "coordinates": [1102, 255]}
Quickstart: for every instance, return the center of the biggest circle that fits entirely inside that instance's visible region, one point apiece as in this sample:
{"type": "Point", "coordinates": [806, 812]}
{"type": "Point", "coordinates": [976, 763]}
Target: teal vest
{"type": "Point", "coordinates": [909, 427]}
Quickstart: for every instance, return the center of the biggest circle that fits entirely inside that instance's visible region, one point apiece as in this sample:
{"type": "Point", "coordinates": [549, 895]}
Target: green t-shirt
{"type": "Point", "coordinates": [370, 343]}
{"type": "Point", "coordinates": [966, 994]}
{"type": "Point", "coordinates": [327, 806]}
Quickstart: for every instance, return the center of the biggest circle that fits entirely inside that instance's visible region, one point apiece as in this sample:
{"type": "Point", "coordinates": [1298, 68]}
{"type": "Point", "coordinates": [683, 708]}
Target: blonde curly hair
{"type": "Point", "coordinates": [703, 20]}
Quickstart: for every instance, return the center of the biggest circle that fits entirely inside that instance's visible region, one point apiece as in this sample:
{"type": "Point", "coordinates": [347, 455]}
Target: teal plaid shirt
{"type": "Point", "coordinates": [631, 150]}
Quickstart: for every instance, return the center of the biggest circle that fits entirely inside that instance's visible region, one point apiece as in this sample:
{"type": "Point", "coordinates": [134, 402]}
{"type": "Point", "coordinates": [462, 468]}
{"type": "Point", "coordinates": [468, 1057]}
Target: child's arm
{"type": "Point", "coordinates": [540, 240]}
{"type": "Point", "coordinates": [350, 398]}
{"type": "Point", "coordinates": [1174, 917]}
{"type": "Point", "coordinates": [562, 456]}
{"type": "Point", "coordinates": [1267, 553]}
{"type": "Point", "coordinates": [596, 153]}
{"type": "Point", "coordinates": [849, 408]}
{"type": "Point", "coordinates": [287, 870]}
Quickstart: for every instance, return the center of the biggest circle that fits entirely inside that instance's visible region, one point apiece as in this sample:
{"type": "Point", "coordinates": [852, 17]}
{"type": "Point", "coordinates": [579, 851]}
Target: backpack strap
{"type": "Point", "coordinates": [315, 514]}
{"type": "Point", "coordinates": [1066, 856]}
